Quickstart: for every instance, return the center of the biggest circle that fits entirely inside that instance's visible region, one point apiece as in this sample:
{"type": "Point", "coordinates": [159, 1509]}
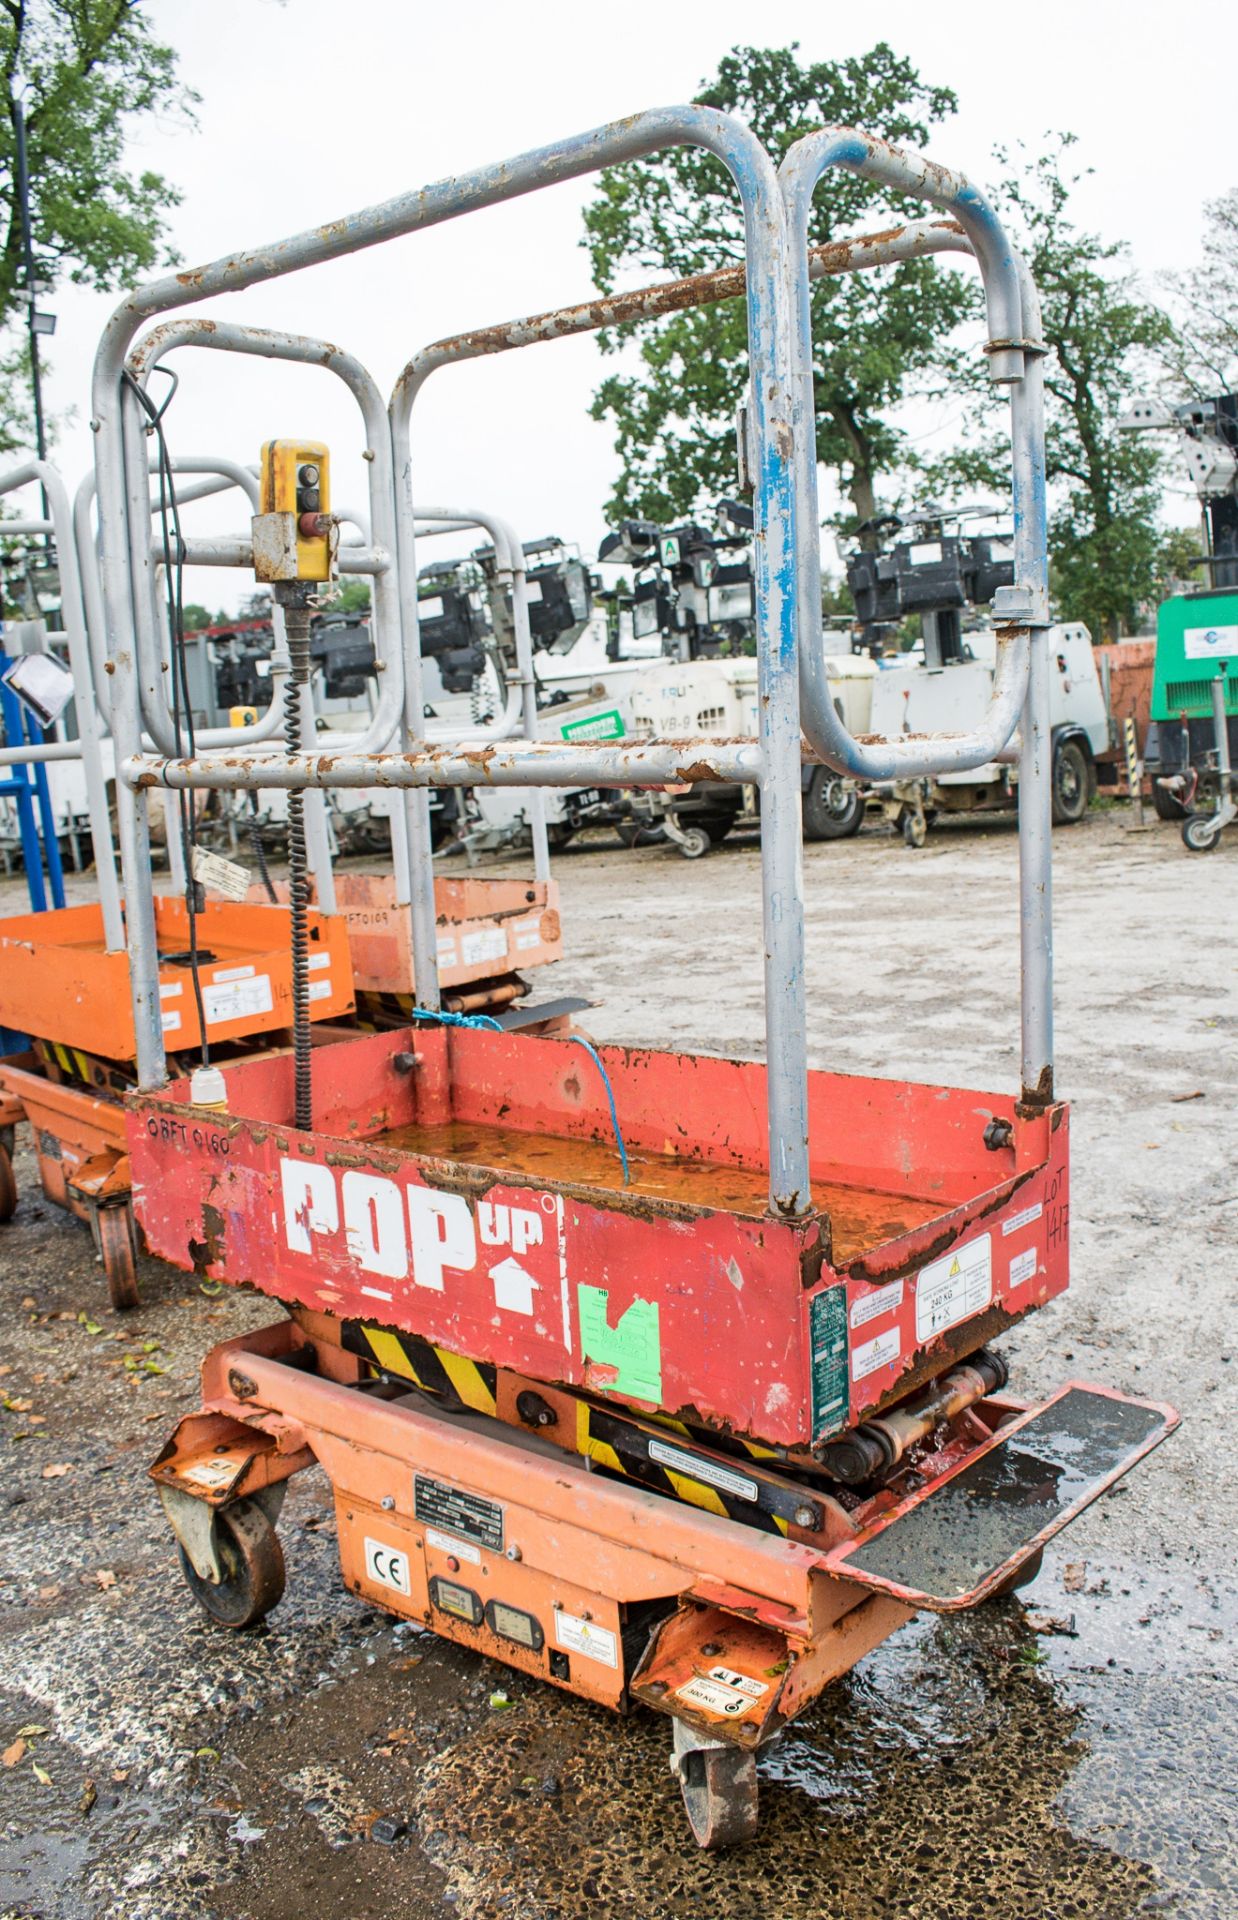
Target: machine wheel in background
{"type": "Point", "coordinates": [115, 1230]}
{"type": "Point", "coordinates": [832, 809]}
{"type": "Point", "coordinates": [630, 835]}
{"type": "Point", "coordinates": [1167, 804]}
{"type": "Point", "coordinates": [253, 1564]}
{"type": "Point", "coordinates": [719, 1788]}
{"type": "Point", "coordinates": [914, 827]}
{"type": "Point", "coordinates": [8, 1186]}
{"type": "Point", "coordinates": [1199, 832]}
{"type": "Point", "coordinates": [695, 843]}
{"type": "Point", "coordinates": [717, 826]}
{"type": "Point", "coordinates": [1071, 783]}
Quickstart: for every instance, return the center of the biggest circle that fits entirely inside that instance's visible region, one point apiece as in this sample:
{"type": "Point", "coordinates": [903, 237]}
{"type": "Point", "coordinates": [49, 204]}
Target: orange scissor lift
{"type": "Point", "coordinates": [664, 1378]}
{"type": "Point", "coordinates": [64, 974]}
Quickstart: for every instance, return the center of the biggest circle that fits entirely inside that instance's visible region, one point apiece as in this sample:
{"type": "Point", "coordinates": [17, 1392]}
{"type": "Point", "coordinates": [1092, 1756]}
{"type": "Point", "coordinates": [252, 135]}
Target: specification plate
{"type": "Point", "coordinates": [466, 1515]}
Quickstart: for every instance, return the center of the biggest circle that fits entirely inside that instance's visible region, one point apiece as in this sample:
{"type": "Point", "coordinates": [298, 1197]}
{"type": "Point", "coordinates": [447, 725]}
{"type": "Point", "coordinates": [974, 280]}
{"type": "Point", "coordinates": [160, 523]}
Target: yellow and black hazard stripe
{"type": "Point", "coordinates": [71, 1061]}
{"type": "Point", "coordinates": [637, 1449]}
{"type": "Point", "coordinates": [657, 1451]}
{"type": "Point", "coordinates": [457, 1382]}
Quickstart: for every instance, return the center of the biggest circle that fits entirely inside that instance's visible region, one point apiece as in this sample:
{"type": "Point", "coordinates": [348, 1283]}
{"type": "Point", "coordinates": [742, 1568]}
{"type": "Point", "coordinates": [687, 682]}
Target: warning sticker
{"type": "Point", "coordinates": [483, 943]}
{"type": "Point", "coordinates": [585, 1636]}
{"type": "Point", "coordinates": [876, 1353]}
{"type": "Point", "coordinates": [873, 1305]}
{"type": "Point", "coordinates": [219, 875]}
{"type": "Point", "coordinates": [1023, 1266]}
{"type": "Point", "coordinates": [236, 999]}
{"type": "Point", "coordinates": [1022, 1219]}
{"type": "Point", "coordinates": [211, 1474]}
{"type": "Point", "coordinates": [462, 1549]}
{"type": "Point", "coordinates": [742, 1681]}
{"type": "Point", "coordinates": [707, 1471]}
{"type": "Point", "coordinates": [953, 1288]}
{"type": "Point", "coordinates": [716, 1697]}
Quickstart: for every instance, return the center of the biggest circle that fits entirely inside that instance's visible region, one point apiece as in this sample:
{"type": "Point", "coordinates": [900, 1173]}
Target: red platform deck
{"type": "Point", "coordinates": [478, 1201]}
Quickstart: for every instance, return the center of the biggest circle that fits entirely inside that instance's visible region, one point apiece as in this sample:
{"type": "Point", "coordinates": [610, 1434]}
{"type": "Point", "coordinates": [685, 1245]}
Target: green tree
{"type": "Point", "coordinates": [1102, 337]}
{"type": "Point", "coordinates": [879, 337]}
{"type": "Point", "coordinates": [1203, 351]}
{"type": "Point", "coordinates": [353, 596]}
{"type": "Point", "coordinates": [83, 71]}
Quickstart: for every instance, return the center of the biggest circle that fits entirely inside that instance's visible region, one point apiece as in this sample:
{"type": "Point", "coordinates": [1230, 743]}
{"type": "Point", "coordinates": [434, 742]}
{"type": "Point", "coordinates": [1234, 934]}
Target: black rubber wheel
{"type": "Point", "coordinates": [115, 1225]}
{"type": "Point", "coordinates": [8, 1187]}
{"type": "Point", "coordinates": [914, 828]}
{"type": "Point", "coordinates": [1199, 833]}
{"type": "Point", "coordinates": [1021, 1577]}
{"type": "Point", "coordinates": [1071, 783]}
{"type": "Point", "coordinates": [717, 826]}
{"type": "Point", "coordinates": [695, 843]}
{"type": "Point", "coordinates": [631, 835]}
{"type": "Point", "coordinates": [253, 1563]}
{"type": "Point", "coordinates": [832, 809]}
{"type": "Point", "coordinates": [719, 1788]}
{"type": "Point", "coordinates": [1167, 804]}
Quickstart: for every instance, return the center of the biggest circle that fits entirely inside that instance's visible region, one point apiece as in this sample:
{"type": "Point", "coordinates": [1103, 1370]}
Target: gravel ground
{"type": "Point", "coordinates": [158, 1767]}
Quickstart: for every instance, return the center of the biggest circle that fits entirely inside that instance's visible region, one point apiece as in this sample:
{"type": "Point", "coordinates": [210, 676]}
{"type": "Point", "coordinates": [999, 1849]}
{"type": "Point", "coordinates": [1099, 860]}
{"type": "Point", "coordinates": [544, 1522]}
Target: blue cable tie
{"type": "Point", "coordinates": [485, 1020]}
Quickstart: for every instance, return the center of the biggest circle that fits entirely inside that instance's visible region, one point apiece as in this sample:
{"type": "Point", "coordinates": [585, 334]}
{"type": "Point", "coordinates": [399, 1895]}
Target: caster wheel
{"type": "Point", "coordinates": [696, 843]}
{"type": "Point", "coordinates": [1021, 1577]}
{"type": "Point", "coordinates": [253, 1564]}
{"type": "Point", "coordinates": [915, 829]}
{"type": "Point", "coordinates": [1199, 832]}
{"type": "Point", "coordinates": [115, 1227]}
{"type": "Point", "coordinates": [8, 1186]}
{"type": "Point", "coordinates": [719, 1788]}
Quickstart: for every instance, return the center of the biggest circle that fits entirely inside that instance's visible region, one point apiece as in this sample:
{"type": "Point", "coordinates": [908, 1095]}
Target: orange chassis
{"type": "Point", "coordinates": [492, 1530]}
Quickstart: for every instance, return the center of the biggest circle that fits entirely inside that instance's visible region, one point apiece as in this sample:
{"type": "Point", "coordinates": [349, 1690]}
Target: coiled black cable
{"type": "Point", "coordinates": [297, 627]}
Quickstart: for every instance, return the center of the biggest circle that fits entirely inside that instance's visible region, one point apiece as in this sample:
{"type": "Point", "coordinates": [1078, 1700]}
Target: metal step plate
{"type": "Point", "coordinates": [952, 1544]}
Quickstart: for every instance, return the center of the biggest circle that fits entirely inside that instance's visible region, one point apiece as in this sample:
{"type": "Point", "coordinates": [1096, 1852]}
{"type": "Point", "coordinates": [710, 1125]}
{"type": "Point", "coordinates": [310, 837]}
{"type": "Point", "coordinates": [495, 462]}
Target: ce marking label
{"type": "Point", "coordinates": [387, 1566]}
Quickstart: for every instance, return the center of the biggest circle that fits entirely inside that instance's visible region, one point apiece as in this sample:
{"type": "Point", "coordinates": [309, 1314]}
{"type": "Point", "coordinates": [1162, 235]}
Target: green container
{"type": "Point", "coordinates": [1196, 633]}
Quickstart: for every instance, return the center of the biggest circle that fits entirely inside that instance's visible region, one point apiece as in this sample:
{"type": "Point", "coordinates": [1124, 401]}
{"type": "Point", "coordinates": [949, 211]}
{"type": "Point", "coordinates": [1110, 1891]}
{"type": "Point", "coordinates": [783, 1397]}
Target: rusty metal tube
{"type": "Point", "coordinates": [1017, 609]}
{"type": "Point", "coordinates": [88, 745]}
{"type": "Point", "coordinates": [508, 763]}
{"type": "Point", "coordinates": [877, 1445]}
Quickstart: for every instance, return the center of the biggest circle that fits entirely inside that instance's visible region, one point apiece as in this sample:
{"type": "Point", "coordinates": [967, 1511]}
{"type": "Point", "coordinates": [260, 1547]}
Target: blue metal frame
{"type": "Point", "coordinates": [27, 785]}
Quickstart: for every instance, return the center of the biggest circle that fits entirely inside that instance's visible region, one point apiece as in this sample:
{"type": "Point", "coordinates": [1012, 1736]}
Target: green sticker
{"type": "Point", "coordinates": [598, 726]}
{"type": "Point", "coordinates": [827, 1334]}
{"type": "Point", "coordinates": [632, 1348]}
{"type": "Point", "coordinates": [668, 546]}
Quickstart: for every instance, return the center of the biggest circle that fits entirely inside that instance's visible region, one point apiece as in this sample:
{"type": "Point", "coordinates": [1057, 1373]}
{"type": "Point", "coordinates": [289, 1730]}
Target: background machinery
{"type": "Point", "coordinates": [925, 565]}
{"type": "Point", "coordinates": [1192, 745]}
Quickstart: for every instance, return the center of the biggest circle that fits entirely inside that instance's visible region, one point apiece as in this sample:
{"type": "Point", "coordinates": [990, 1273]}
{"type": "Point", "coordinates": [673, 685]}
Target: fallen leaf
{"type": "Point", "coordinates": [93, 1327]}
{"type": "Point", "coordinates": [19, 1406]}
{"type": "Point", "coordinates": [49, 1593]}
{"type": "Point", "coordinates": [1176, 1099]}
{"type": "Point", "coordinates": [13, 1754]}
{"type": "Point", "coordinates": [57, 1472]}
{"type": "Point", "coordinates": [104, 1578]}
{"type": "Point", "coordinates": [41, 1774]}
{"type": "Point", "coordinates": [1063, 1623]}
{"type": "Point", "coordinates": [1074, 1575]}
{"type": "Point", "coordinates": [31, 1733]}
{"type": "Point", "coordinates": [120, 1775]}
{"type": "Point", "coordinates": [499, 1702]}
{"type": "Point", "coordinates": [37, 1420]}
{"type": "Point", "coordinates": [6, 1368]}
{"type": "Point", "coordinates": [206, 1753]}
{"type": "Point", "coordinates": [90, 1793]}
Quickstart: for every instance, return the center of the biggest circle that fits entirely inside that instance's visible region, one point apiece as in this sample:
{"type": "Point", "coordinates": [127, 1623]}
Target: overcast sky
{"type": "Point", "coordinates": [313, 108]}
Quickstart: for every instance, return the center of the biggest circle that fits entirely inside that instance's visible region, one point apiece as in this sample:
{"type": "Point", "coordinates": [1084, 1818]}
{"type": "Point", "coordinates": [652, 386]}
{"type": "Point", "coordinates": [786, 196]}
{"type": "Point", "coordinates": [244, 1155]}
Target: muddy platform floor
{"type": "Point", "coordinates": [1070, 1753]}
